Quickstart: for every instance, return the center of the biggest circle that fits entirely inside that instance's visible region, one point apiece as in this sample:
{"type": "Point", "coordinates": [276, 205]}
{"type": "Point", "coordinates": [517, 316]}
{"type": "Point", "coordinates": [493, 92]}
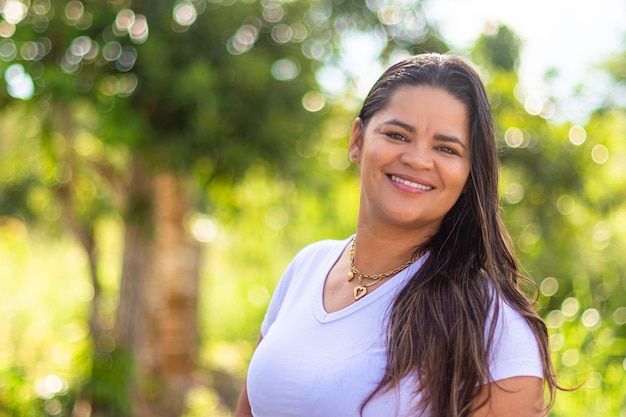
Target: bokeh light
{"type": "Point", "coordinates": [74, 11]}
{"type": "Point", "coordinates": [81, 46]}
{"type": "Point", "coordinates": [601, 234]}
{"type": "Point", "coordinates": [549, 286]}
{"type": "Point", "coordinates": [600, 154]}
{"type": "Point", "coordinates": [127, 59]}
{"type": "Point", "coordinates": [203, 228]}
{"type": "Point", "coordinates": [619, 315]}
{"type": "Point", "coordinates": [112, 51]}
{"type": "Point", "coordinates": [590, 318]}
{"type": "Point", "coordinates": [514, 193]}
{"type": "Point", "coordinates": [389, 15]}
{"type": "Point", "coordinates": [556, 342]}
{"type": "Point", "coordinates": [135, 25]}
{"type": "Point", "coordinates": [282, 33]}
{"type": "Point", "coordinates": [7, 29]}
{"type": "Point", "coordinates": [577, 135]}
{"type": "Point", "coordinates": [8, 50]}
{"type": "Point", "coordinates": [40, 23]}
{"type": "Point", "coordinates": [570, 357]}
{"type": "Point", "coordinates": [285, 69]}
{"type": "Point", "coordinates": [594, 380]}
{"type": "Point", "coordinates": [315, 49]}
{"type": "Point", "coordinates": [32, 51]}
{"type": "Point", "coordinates": [49, 386]}
{"type": "Point", "coordinates": [306, 149]}
{"type": "Point", "coordinates": [41, 7]}
{"type": "Point", "coordinates": [19, 83]}
{"type": "Point", "coordinates": [514, 137]}
{"type": "Point", "coordinates": [313, 101]}
{"type": "Point", "coordinates": [139, 31]}
{"type": "Point", "coordinates": [87, 145]}
{"type": "Point", "coordinates": [53, 407]}
{"type": "Point", "coordinates": [123, 22]}
{"type": "Point", "coordinates": [184, 13]}
{"type": "Point", "coordinates": [122, 85]}
{"type": "Point", "coordinates": [126, 85]}
{"type": "Point", "coordinates": [13, 11]}
{"type": "Point", "coordinates": [300, 32]}
{"type": "Point", "coordinates": [258, 295]}
{"type": "Point", "coordinates": [243, 40]}
{"type": "Point", "coordinates": [570, 307]}
{"type": "Point", "coordinates": [273, 12]}
{"type": "Point", "coordinates": [533, 105]}
{"type": "Point", "coordinates": [338, 159]}
{"type": "Point", "coordinates": [565, 204]}
{"type": "Point", "coordinates": [528, 238]}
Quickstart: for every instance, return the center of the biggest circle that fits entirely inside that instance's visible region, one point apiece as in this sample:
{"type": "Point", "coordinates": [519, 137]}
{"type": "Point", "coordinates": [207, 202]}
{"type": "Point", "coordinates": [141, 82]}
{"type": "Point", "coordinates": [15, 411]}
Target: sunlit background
{"type": "Point", "coordinates": [571, 39]}
{"type": "Point", "coordinates": [161, 163]}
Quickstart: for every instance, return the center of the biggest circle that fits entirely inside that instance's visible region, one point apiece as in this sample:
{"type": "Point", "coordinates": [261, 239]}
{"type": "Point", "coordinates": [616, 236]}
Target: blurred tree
{"type": "Point", "coordinates": [563, 197]}
{"type": "Point", "coordinates": [499, 48]}
{"type": "Point", "coordinates": [135, 105]}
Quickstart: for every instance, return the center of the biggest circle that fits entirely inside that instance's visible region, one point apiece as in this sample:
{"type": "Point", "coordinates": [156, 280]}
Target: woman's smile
{"type": "Point", "coordinates": [408, 185]}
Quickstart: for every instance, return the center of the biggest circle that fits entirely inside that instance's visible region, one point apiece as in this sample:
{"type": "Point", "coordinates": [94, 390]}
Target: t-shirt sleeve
{"type": "Point", "coordinates": [515, 348]}
{"type": "Point", "coordinates": [276, 300]}
{"type": "Point", "coordinates": [281, 290]}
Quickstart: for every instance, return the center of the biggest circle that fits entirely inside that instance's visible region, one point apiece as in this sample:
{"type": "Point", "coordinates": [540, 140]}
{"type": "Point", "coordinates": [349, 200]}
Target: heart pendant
{"type": "Point", "coordinates": [359, 292]}
{"type": "Point", "coordinates": [350, 276]}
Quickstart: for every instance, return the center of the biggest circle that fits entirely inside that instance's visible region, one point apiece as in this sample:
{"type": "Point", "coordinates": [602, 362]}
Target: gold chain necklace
{"type": "Point", "coordinates": [361, 289]}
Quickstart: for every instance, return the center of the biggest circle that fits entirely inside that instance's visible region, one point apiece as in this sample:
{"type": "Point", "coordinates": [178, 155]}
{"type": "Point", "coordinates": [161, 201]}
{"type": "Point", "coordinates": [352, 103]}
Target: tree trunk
{"type": "Point", "coordinates": [157, 313]}
{"type": "Point", "coordinates": [130, 319]}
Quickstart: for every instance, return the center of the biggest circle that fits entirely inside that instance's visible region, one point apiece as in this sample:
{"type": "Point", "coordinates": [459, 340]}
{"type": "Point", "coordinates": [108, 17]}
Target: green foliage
{"type": "Point", "coordinates": [198, 87]}
{"type": "Point", "coordinates": [272, 177]}
{"type": "Point", "coordinates": [182, 82]}
{"type": "Point", "coordinates": [109, 382]}
{"type": "Point", "coordinates": [43, 353]}
{"type": "Point", "coordinates": [564, 204]}
{"type": "Point", "coordinates": [499, 49]}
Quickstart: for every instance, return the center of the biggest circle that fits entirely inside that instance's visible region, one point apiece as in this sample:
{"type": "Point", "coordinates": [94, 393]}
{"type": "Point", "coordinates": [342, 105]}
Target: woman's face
{"type": "Point", "coordinates": [414, 156]}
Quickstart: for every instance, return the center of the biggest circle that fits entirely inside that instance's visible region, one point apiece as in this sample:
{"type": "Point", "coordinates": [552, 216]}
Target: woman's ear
{"type": "Point", "coordinates": [356, 141]}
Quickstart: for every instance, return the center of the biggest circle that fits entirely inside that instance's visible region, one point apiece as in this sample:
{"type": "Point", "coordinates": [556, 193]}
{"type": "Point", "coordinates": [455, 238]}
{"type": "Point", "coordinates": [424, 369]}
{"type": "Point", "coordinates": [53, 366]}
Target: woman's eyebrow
{"type": "Point", "coordinates": [447, 138]}
{"type": "Point", "coordinates": [399, 123]}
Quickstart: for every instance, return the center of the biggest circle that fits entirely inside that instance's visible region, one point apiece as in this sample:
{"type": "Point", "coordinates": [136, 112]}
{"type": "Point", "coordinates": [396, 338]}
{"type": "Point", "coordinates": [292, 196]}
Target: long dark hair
{"type": "Point", "coordinates": [440, 324]}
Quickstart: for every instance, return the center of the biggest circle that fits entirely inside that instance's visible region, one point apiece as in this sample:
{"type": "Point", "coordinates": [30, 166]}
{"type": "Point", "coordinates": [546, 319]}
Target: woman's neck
{"type": "Point", "coordinates": [379, 250]}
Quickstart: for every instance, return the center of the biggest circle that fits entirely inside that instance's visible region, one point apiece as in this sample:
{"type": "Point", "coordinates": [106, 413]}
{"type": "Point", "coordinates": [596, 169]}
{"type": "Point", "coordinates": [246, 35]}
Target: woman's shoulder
{"type": "Point", "coordinates": [515, 349]}
{"type": "Point", "coordinates": [508, 304]}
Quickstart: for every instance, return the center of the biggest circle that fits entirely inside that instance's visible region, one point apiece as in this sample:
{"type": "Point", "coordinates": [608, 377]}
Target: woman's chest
{"type": "Point", "coordinates": [305, 367]}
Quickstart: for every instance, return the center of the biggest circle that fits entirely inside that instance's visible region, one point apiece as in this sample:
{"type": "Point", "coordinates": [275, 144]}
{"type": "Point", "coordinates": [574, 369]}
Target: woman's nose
{"type": "Point", "coordinates": [417, 157]}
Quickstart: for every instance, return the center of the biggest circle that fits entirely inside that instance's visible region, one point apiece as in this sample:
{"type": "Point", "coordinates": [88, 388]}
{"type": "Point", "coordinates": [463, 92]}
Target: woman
{"type": "Point", "coordinates": [419, 313]}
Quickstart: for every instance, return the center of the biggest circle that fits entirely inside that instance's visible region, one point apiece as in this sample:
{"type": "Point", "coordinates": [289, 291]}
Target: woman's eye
{"type": "Point", "coordinates": [448, 150]}
{"type": "Point", "coordinates": [397, 136]}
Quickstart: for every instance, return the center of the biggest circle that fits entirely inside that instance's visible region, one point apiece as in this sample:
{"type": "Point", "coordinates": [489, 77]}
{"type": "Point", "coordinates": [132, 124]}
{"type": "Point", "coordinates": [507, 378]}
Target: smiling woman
{"type": "Point", "coordinates": [419, 312]}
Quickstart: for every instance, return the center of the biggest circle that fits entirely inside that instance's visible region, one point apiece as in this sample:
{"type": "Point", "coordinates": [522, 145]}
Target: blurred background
{"type": "Point", "coordinates": [161, 162]}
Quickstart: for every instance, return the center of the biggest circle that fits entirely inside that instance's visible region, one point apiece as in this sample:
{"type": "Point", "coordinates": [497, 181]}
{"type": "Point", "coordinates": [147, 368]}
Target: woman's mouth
{"type": "Point", "coordinates": [410, 183]}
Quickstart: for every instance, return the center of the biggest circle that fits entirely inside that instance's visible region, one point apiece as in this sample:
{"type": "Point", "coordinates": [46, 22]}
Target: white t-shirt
{"type": "Point", "coordinates": [311, 363]}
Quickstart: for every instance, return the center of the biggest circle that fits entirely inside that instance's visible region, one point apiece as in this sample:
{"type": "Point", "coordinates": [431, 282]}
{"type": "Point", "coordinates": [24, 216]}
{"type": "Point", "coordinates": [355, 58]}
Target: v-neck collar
{"type": "Point", "coordinates": [393, 285]}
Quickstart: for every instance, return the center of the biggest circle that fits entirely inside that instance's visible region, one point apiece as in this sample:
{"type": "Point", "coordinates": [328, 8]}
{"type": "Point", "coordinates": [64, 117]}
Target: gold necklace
{"type": "Point", "coordinates": [361, 289]}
